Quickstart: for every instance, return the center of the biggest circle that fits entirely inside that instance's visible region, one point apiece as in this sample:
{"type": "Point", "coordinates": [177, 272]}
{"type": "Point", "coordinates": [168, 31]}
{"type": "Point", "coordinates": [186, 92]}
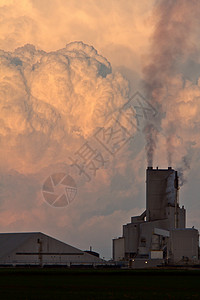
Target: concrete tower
{"type": "Point", "coordinates": [161, 192]}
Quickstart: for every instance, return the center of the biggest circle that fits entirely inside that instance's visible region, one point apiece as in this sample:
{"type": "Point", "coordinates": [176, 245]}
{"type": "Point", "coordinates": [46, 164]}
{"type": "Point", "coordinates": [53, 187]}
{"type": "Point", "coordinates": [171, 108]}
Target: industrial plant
{"type": "Point", "coordinates": [156, 238]}
{"type": "Point", "coordinates": [159, 237]}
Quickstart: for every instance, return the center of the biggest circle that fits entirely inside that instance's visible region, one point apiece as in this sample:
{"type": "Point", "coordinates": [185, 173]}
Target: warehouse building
{"type": "Point", "coordinates": [159, 235]}
{"type": "Point", "coordinates": [38, 249]}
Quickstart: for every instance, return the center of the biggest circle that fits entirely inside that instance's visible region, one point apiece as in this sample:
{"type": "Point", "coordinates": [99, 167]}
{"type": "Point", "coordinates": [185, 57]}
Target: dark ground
{"type": "Point", "coordinates": [58, 284]}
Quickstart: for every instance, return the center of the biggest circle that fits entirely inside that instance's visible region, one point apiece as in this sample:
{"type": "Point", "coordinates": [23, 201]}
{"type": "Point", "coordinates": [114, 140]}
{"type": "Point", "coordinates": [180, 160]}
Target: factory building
{"type": "Point", "coordinates": [38, 249]}
{"type": "Point", "coordinates": [159, 235]}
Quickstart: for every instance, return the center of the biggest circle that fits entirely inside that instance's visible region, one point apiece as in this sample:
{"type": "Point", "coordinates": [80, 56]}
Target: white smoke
{"type": "Point", "coordinates": [170, 190]}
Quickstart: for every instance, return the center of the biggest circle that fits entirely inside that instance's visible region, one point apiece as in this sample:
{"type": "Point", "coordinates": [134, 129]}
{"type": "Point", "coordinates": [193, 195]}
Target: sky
{"type": "Point", "coordinates": [91, 92]}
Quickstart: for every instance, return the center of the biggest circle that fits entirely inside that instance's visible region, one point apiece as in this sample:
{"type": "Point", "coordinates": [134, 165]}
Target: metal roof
{"type": "Point", "coordinates": [10, 241]}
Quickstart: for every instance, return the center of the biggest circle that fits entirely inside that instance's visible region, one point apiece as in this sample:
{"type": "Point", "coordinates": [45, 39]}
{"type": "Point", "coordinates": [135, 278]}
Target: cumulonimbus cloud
{"type": "Point", "coordinates": [49, 101]}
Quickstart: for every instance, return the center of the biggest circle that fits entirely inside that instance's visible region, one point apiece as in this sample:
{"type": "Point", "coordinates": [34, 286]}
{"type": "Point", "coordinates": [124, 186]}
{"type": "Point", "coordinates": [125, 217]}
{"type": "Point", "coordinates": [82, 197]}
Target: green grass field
{"type": "Point", "coordinates": [99, 284]}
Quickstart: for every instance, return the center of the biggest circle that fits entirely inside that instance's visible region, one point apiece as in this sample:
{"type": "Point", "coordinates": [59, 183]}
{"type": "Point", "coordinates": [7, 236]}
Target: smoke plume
{"type": "Point", "coordinates": [172, 48]}
{"type": "Point", "coordinates": [151, 138]}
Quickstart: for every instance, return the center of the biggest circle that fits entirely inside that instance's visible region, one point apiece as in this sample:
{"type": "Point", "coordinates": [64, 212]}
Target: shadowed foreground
{"type": "Point", "coordinates": [99, 284]}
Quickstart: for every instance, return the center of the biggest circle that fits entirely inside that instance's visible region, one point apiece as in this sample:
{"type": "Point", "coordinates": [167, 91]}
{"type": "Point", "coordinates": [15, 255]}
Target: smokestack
{"type": "Point", "coordinates": [149, 168]}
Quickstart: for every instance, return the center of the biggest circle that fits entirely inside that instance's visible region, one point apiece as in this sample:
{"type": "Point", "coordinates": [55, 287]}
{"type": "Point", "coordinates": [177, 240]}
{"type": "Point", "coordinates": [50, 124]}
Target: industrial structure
{"type": "Point", "coordinates": [38, 249]}
{"type": "Point", "coordinates": [159, 235]}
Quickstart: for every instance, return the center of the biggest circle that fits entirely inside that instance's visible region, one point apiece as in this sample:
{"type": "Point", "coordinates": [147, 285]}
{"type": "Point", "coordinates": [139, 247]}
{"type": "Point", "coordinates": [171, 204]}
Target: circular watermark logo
{"type": "Point", "coordinates": [59, 189]}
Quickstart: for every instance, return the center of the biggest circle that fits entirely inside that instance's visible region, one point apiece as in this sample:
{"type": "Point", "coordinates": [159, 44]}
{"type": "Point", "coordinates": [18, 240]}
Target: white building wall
{"type": "Point", "coordinates": [131, 235]}
{"type": "Point", "coordinates": [118, 249]}
{"type": "Point", "coordinates": [184, 245]}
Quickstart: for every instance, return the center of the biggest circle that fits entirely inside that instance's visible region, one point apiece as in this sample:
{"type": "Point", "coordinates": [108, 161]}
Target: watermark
{"type": "Point", "coordinates": [60, 189]}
